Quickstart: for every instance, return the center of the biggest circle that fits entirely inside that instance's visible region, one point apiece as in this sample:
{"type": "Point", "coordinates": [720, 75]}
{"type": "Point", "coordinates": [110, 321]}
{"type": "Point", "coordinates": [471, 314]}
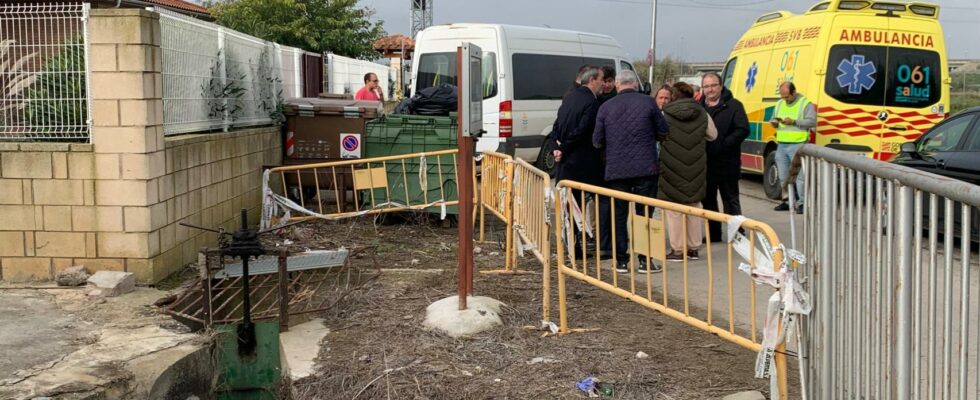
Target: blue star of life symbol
{"type": "Point", "coordinates": [750, 81]}
{"type": "Point", "coordinates": [856, 75]}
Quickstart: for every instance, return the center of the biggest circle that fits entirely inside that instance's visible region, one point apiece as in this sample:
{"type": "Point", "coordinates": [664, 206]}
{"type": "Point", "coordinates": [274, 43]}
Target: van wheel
{"type": "Point", "coordinates": [770, 177]}
{"type": "Point", "coordinates": [546, 157]}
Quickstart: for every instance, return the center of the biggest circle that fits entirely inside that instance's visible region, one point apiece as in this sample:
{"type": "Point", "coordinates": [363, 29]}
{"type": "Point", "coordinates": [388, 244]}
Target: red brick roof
{"type": "Point", "coordinates": [394, 43]}
{"type": "Point", "coordinates": [181, 5]}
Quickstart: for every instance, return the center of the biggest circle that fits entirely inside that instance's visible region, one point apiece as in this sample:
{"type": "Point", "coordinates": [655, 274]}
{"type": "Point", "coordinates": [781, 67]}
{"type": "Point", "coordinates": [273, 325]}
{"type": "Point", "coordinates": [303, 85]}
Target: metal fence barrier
{"type": "Point", "coordinates": [577, 208]}
{"type": "Point", "coordinates": [895, 313]}
{"type": "Point", "coordinates": [531, 222]}
{"type": "Point", "coordinates": [44, 72]}
{"type": "Point", "coordinates": [350, 188]}
{"type": "Point", "coordinates": [496, 190]}
{"type": "Point", "coordinates": [217, 78]}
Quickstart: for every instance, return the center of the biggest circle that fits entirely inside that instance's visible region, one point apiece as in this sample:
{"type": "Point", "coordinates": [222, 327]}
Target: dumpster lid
{"type": "Point", "coordinates": [319, 106]}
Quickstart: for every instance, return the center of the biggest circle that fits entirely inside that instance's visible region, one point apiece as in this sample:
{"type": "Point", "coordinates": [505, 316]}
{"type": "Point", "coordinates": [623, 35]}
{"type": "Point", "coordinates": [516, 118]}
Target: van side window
{"type": "Point", "coordinates": [623, 65]}
{"type": "Point", "coordinates": [729, 72]}
{"type": "Point", "coordinates": [440, 68]}
{"type": "Point", "coordinates": [546, 76]}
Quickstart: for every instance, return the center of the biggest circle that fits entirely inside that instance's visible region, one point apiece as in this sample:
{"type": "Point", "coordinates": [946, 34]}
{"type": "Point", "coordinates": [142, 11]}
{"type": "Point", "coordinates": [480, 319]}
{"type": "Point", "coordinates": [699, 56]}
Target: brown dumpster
{"type": "Point", "coordinates": [312, 134]}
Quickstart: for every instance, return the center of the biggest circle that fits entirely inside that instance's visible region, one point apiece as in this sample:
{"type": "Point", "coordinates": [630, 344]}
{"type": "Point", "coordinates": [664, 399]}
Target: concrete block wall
{"type": "Point", "coordinates": [114, 204]}
{"type": "Point", "coordinates": [209, 179]}
{"type": "Point", "coordinates": [48, 213]}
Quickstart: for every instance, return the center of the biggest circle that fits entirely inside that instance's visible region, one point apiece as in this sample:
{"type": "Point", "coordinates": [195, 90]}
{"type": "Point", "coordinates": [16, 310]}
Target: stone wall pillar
{"type": "Point", "coordinates": [127, 135]}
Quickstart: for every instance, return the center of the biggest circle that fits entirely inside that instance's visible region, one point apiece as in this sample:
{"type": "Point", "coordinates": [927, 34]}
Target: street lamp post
{"type": "Point", "coordinates": [653, 40]}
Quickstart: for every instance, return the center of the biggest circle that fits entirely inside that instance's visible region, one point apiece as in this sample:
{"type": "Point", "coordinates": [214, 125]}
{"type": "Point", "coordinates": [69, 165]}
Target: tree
{"type": "Point", "coordinates": [665, 70]}
{"type": "Point", "coordinates": [337, 26]}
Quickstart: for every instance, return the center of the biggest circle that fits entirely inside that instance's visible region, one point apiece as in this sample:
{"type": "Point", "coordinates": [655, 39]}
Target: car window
{"type": "Point", "coordinates": [623, 65]}
{"type": "Point", "coordinates": [947, 136]}
{"type": "Point", "coordinates": [973, 141]}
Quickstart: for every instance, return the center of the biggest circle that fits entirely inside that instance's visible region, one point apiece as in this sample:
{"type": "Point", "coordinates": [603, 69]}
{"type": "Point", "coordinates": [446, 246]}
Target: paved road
{"type": "Point", "coordinates": [701, 279]}
{"type": "Point", "coordinates": [756, 206]}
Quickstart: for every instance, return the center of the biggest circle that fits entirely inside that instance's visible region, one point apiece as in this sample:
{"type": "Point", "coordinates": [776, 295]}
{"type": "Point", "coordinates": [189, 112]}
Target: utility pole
{"type": "Point", "coordinates": [653, 42]}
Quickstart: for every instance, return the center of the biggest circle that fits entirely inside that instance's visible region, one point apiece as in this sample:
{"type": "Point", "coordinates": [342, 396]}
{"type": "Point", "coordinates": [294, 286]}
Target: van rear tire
{"type": "Point", "coordinates": [770, 177]}
{"type": "Point", "coordinates": [546, 158]}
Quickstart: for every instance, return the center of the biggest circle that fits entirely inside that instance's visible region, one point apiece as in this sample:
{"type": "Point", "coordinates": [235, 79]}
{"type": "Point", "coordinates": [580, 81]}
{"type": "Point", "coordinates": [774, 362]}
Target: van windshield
{"type": "Point", "coordinates": [880, 75]}
{"type": "Point", "coordinates": [548, 77]}
{"type": "Point", "coordinates": [440, 68]}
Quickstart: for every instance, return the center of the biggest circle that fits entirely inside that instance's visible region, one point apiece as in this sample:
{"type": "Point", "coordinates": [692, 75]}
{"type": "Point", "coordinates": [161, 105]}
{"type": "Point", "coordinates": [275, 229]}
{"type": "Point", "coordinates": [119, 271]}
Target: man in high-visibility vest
{"type": "Point", "coordinates": [793, 118]}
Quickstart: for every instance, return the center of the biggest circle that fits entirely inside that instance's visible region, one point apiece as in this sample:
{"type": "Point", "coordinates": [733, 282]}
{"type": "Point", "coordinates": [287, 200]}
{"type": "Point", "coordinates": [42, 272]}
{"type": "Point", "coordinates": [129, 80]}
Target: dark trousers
{"type": "Point", "coordinates": [582, 199]}
{"type": "Point", "coordinates": [642, 186]}
{"type": "Point", "coordinates": [727, 186]}
{"type": "Point", "coordinates": [605, 225]}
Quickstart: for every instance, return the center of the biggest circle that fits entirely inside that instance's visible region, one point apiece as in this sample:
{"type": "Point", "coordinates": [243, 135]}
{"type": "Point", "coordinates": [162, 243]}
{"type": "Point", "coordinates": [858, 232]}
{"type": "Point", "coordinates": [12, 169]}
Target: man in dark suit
{"type": "Point", "coordinates": [576, 158]}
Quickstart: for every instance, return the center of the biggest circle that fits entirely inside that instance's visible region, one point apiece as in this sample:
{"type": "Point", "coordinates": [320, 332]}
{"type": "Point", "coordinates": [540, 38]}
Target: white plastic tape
{"type": "Point", "coordinates": [423, 174]}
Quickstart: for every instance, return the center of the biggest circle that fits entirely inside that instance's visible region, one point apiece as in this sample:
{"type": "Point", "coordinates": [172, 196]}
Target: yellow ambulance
{"type": "Point", "coordinates": [876, 71]}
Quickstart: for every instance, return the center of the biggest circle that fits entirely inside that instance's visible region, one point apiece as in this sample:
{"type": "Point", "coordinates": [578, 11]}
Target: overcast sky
{"type": "Point", "coordinates": [693, 30]}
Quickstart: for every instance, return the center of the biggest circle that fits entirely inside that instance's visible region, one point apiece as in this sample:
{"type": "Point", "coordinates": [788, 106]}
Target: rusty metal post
{"type": "Point", "coordinates": [204, 269]}
{"type": "Point", "coordinates": [464, 165]}
{"type": "Point", "coordinates": [283, 292]}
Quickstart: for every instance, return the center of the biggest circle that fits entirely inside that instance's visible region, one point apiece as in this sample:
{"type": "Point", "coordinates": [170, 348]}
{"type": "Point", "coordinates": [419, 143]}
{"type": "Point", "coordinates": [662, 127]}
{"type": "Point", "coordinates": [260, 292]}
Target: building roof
{"type": "Point", "coordinates": [394, 43]}
{"type": "Point", "coordinates": [180, 5]}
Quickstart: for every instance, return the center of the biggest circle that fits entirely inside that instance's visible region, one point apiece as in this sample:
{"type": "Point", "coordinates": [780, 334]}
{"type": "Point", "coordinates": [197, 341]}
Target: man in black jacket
{"type": "Point", "coordinates": [725, 153]}
{"type": "Point", "coordinates": [576, 158]}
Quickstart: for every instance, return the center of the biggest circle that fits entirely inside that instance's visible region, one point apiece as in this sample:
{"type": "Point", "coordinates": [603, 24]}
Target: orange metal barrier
{"type": "Point", "coordinates": [646, 237]}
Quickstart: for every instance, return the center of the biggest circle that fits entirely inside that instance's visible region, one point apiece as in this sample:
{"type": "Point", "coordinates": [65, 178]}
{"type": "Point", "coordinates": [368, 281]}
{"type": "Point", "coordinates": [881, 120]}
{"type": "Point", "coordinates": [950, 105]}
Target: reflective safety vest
{"type": "Point", "coordinates": [791, 133]}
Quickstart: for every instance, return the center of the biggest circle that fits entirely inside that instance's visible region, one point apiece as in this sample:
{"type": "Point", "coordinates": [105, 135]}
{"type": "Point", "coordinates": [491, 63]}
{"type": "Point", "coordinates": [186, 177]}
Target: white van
{"type": "Point", "coordinates": [526, 72]}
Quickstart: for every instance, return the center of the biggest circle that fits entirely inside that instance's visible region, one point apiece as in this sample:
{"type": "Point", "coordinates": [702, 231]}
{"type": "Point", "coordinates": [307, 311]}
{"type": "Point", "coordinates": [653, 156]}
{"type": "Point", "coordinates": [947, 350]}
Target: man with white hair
{"type": "Point", "coordinates": [628, 127]}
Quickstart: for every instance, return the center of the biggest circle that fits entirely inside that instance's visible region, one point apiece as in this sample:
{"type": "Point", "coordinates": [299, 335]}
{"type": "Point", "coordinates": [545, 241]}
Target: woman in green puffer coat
{"type": "Point", "coordinates": [683, 168]}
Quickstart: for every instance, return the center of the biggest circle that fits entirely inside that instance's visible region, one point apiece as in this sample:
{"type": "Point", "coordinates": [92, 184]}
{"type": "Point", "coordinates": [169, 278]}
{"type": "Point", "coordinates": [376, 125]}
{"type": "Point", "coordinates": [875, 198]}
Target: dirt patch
{"type": "Point", "coordinates": [378, 328]}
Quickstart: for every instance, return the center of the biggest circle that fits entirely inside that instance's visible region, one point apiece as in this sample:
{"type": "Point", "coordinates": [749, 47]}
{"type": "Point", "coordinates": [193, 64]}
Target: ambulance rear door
{"type": "Point", "coordinates": [852, 110]}
{"type": "Point", "coordinates": [915, 94]}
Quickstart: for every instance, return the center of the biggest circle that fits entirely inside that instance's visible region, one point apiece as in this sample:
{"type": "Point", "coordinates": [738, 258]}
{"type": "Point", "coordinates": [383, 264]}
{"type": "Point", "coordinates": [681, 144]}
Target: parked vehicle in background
{"type": "Point", "coordinates": [526, 72]}
{"type": "Point", "coordinates": [875, 70]}
{"type": "Point", "coordinates": [950, 149]}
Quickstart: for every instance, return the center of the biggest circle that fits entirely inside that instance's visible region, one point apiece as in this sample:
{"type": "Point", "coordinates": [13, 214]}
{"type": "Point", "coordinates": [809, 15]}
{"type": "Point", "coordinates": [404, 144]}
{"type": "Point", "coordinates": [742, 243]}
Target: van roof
{"type": "Point", "coordinates": [521, 30]}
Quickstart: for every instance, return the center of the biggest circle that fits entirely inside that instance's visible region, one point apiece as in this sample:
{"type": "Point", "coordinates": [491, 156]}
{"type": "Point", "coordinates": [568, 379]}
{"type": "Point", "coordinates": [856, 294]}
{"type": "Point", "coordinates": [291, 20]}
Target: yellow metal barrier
{"type": "Point", "coordinates": [496, 188]}
{"type": "Point", "coordinates": [531, 192]}
{"type": "Point", "coordinates": [409, 182]}
{"type": "Point", "coordinates": [646, 237]}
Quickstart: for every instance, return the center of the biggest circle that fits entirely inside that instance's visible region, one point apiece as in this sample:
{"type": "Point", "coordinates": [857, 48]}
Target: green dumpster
{"type": "Point", "coordinates": [407, 134]}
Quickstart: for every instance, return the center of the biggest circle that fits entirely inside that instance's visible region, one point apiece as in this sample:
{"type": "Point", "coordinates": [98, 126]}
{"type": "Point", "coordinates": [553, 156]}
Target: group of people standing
{"type": "Point", "coordinates": [666, 145]}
